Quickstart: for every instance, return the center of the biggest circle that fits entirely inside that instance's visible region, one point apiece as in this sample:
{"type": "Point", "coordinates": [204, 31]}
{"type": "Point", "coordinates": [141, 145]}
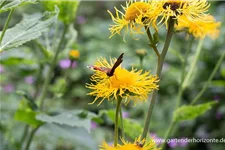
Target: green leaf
{"type": "Point", "coordinates": [78, 136]}
{"type": "Point", "coordinates": [29, 99]}
{"type": "Point", "coordinates": [27, 115]}
{"type": "Point", "coordinates": [218, 83]}
{"type": "Point", "coordinates": [67, 9]}
{"type": "Point", "coordinates": [14, 4]}
{"type": "Point", "coordinates": [72, 118]}
{"type": "Point", "coordinates": [190, 112]}
{"type": "Point", "coordinates": [30, 28]}
{"type": "Point", "coordinates": [132, 128]}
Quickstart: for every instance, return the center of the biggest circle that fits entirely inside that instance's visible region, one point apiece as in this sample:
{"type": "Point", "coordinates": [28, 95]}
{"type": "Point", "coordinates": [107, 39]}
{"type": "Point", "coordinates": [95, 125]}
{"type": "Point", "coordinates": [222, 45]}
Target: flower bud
{"type": "Point", "coordinates": [74, 54]}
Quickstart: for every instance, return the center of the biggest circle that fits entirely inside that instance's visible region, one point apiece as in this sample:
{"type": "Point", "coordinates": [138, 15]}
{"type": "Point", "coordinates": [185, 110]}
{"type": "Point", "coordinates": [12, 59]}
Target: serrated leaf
{"type": "Point", "coordinates": [27, 115]}
{"type": "Point", "coordinates": [190, 112]}
{"type": "Point", "coordinates": [30, 28]}
{"type": "Point", "coordinates": [73, 119]}
{"type": "Point", "coordinates": [78, 136]}
{"type": "Point", "coordinates": [14, 4]}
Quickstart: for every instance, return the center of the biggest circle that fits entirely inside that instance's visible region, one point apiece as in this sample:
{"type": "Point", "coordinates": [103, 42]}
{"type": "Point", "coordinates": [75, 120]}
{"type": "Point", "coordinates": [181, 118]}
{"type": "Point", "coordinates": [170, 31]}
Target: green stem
{"type": "Point", "coordinates": [31, 138]}
{"type": "Point", "coordinates": [2, 4]}
{"type": "Point", "coordinates": [161, 58]}
{"type": "Point", "coordinates": [152, 44]}
{"type": "Point", "coordinates": [43, 49]}
{"type": "Point", "coordinates": [25, 132]}
{"type": "Point", "coordinates": [173, 124]}
{"type": "Point", "coordinates": [193, 64]}
{"type": "Point", "coordinates": [141, 62]}
{"type": "Point", "coordinates": [62, 88]}
{"type": "Point", "coordinates": [116, 130]}
{"type": "Point", "coordinates": [6, 24]}
{"type": "Point", "coordinates": [48, 78]}
{"type": "Point", "coordinates": [210, 78]}
{"type": "Point", "coordinates": [180, 91]}
{"type": "Point", "coordinates": [170, 129]}
{"type": "Point", "coordinates": [121, 123]}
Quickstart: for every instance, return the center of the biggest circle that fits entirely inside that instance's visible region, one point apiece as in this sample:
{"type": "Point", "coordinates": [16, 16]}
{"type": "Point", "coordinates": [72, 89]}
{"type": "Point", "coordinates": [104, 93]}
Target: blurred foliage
{"type": "Point", "coordinates": [89, 34]}
{"type": "Point", "coordinates": [67, 9]}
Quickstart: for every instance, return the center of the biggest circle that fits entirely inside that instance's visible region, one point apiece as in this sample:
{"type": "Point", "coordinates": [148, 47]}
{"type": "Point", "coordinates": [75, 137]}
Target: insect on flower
{"type": "Point", "coordinates": [109, 71]}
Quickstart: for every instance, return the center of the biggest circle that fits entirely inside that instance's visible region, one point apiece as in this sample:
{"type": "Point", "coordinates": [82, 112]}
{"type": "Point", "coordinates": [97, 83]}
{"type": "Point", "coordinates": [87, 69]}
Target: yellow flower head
{"type": "Point", "coordinates": [74, 54]}
{"type": "Point", "coordinates": [200, 29]}
{"type": "Point", "coordinates": [136, 15]}
{"type": "Point", "coordinates": [192, 9]}
{"type": "Point", "coordinates": [137, 145]}
{"type": "Point", "coordinates": [128, 85]}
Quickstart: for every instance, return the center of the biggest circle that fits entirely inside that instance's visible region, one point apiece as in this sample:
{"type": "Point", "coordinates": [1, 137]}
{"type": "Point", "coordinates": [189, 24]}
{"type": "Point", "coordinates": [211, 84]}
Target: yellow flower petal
{"type": "Point", "coordinates": [200, 29]}
{"type": "Point", "coordinates": [136, 15]}
{"type": "Point", "coordinates": [129, 85]}
{"type": "Point", "coordinates": [136, 145]}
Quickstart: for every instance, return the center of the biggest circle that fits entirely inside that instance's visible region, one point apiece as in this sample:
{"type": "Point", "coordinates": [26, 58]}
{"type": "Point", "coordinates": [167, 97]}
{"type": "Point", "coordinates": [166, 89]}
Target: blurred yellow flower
{"type": "Point", "coordinates": [74, 54]}
{"type": "Point", "coordinates": [155, 12]}
{"type": "Point", "coordinates": [136, 15]}
{"type": "Point", "coordinates": [137, 145]}
{"type": "Point", "coordinates": [129, 85]}
{"type": "Point", "coordinates": [200, 29]}
{"type": "Point", "coordinates": [194, 10]}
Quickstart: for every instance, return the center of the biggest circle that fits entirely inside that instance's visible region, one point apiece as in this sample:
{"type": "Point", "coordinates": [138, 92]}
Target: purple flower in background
{"type": "Point", "coordinates": [8, 88]}
{"type": "Point", "coordinates": [183, 142]}
{"type": "Point", "coordinates": [125, 114]}
{"type": "Point", "coordinates": [29, 79]}
{"type": "Point", "coordinates": [1, 69]}
{"type": "Point", "coordinates": [172, 143]}
{"type": "Point", "coordinates": [165, 66]}
{"type": "Point", "coordinates": [93, 125]}
{"type": "Point", "coordinates": [216, 97]}
{"type": "Point", "coordinates": [219, 115]}
{"type": "Point", "coordinates": [202, 132]}
{"type": "Point", "coordinates": [81, 19]}
{"type": "Point", "coordinates": [65, 63]}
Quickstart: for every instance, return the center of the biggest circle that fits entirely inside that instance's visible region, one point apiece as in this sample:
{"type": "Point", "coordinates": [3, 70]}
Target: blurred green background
{"type": "Point", "coordinates": [24, 69]}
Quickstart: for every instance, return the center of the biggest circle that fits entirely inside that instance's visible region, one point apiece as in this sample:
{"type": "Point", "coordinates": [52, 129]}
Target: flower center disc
{"type": "Point", "coordinates": [136, 9]}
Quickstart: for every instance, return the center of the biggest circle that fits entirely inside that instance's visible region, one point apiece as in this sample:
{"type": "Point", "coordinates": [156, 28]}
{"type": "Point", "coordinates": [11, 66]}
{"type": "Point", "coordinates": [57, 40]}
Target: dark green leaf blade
{"type": "Point", "coordinates": [30, 28]}
{"type": "Point", "coordinates": [190, 112]}
{"type": "Point", "coordinates": [72, 118]}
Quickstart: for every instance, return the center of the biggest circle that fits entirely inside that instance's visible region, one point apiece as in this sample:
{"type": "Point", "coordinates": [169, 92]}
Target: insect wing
{"type": "Point", "coordinates": [117, 63]}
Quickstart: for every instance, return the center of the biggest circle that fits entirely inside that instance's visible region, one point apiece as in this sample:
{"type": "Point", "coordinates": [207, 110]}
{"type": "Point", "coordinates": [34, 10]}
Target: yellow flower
{"type": "Point", "coordinates": [136, 15]}
{"type": "Point", "coordinates": [155, 12]}
{"type": "Point", "coordinates": [137, 145]}
{"type": "Point", "coordinates": [129, 85]}
{"type": "Point", "coordinates": [74, 54]}
{"type": "Point", "coordinates": [200, 29]}
{"type": "Point", "coordinates": [193, 9]}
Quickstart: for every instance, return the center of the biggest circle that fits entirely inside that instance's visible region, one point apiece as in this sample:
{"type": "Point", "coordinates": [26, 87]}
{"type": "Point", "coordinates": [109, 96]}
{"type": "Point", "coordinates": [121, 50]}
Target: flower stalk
{"type": "Point", "coordinates": [168, 132]}
{"type": "Point", "coordinates": [116, 129]}
{"type": "Point", "coordinates": [184, 62]}
{"type": "Point", "coordinates": [121, 123]}
{"type": "Point", "coordinates": [47, 80]}
{"type": "Point", "coordinates": [173, 124]}
{"type": "Point", "coordinates": [193, 65]}
{"type": "Point", "coordinates": [210, 78]}
{"type": "Point", "coordinates": [31, 137]}
{"type": "Point", "coordinates": [6, 25]}
{"type": "Point", "coordinates": [161, 58]}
